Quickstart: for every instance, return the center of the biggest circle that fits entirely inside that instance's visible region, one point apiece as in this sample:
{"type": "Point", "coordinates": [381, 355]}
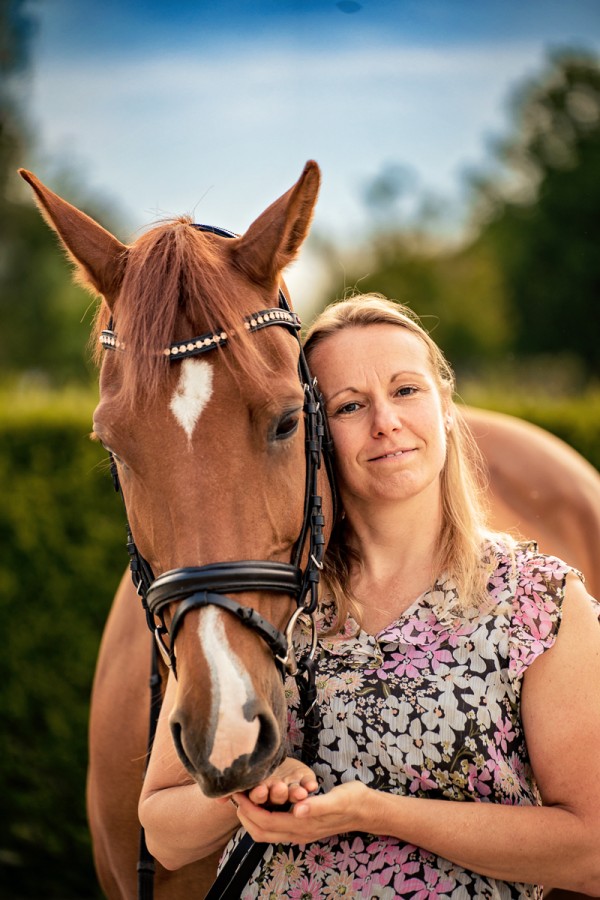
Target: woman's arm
{"type": "Point", "coordinates": [556, 844]}
{"type": "Point", "coordinates": [181, 823]}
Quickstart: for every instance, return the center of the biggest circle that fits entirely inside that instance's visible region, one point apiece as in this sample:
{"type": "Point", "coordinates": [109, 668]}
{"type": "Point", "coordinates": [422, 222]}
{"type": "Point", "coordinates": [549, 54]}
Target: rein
{"type": "Point", "coordinates": [210, 585]}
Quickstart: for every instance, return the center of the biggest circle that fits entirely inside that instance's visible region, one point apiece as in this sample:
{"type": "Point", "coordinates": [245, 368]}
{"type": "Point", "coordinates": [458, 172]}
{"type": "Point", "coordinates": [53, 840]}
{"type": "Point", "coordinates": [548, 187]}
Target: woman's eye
{"type": "Point", "coordinates": [350, 407]}
{"type": "Point", "coordinates": [287, 426]}
{"type": "Point", "coordinates": [406, 391]}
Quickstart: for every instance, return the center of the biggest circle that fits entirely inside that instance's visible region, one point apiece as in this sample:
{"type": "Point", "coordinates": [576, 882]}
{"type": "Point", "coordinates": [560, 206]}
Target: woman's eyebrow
{"type": "Point", "coordinates": [403, 373]}
{"type": "Point", "coordinates": [349, 389]}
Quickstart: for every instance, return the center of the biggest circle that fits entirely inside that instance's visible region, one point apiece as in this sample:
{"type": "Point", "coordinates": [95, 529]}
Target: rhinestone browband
{"type": "Point", "coordinates": [205, 342]}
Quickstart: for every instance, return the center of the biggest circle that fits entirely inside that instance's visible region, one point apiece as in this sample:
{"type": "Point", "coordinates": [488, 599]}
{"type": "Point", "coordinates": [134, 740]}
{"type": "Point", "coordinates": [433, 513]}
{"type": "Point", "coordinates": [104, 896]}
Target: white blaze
{"type": "Point", "coordinates": [231, 689]}
{"type": "Point", "coordinates": [192, 393]}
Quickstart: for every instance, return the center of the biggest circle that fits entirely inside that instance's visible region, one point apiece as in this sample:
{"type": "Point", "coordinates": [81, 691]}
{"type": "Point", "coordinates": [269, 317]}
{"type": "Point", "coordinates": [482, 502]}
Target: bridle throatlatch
{"type": "Point", "coordinates": [211, 585]}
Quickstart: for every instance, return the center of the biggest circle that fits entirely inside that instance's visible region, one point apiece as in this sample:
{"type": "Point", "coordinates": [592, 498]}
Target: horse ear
{"type": "Point", "coordinates": [273, 240]}
{"type": "Point", "coordinates": [98, 256]}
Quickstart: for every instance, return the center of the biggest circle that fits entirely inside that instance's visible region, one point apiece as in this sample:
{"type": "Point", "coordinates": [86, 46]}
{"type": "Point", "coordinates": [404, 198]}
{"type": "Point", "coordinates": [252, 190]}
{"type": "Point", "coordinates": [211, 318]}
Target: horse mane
{"type": "Point", "coordinates": [169, 269]}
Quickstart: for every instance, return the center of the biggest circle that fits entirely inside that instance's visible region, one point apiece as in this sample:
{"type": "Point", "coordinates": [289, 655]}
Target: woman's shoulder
{"type": "Point", "coordinates": [527, 589]}
{"type": "Point", "coordinates": [520, 567]}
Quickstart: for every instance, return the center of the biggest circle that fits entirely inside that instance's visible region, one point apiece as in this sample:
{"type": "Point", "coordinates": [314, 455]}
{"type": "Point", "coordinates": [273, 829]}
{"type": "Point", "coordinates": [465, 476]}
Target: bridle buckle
{"type": "Point", "coordinates": [289, 661]}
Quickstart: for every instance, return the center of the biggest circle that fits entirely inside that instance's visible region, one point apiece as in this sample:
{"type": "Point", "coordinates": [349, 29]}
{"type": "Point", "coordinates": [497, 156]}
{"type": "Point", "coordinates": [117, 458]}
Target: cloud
{"type": "Point", "coordinates": [167, 128]}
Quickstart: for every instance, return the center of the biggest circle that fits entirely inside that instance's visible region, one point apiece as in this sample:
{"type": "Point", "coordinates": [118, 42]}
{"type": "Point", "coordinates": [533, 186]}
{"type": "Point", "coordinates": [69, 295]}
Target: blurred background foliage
{"type": "Point", "coordinates": [511, 294]}
{"type": "Point", "coordinates": [520, 284]}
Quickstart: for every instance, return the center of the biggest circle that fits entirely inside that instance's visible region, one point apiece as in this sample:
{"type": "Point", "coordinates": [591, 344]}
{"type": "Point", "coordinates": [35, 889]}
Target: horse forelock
{"type": "Point", "coordinates": [179, 283]}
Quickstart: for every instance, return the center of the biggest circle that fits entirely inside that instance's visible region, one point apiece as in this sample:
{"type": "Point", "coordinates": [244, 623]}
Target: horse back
{"type": "Point", "coordinates": [540, 489]}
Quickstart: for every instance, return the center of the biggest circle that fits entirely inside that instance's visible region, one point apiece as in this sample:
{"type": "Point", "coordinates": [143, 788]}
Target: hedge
{"type": "Point", "coordinates": [61, 556]}
{"type": "Point", "coordinates": [576, 420]}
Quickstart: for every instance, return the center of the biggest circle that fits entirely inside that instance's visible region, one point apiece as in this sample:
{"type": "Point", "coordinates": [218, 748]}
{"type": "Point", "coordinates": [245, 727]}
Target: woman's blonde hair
{"type": "Point", "coordinates": [464, 527]}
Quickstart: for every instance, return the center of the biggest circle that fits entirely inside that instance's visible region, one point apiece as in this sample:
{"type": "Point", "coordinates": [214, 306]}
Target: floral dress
{"type": "Point", "coordinates": [429, 707]}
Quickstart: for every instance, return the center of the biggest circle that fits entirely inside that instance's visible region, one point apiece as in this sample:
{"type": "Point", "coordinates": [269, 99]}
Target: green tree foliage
{"type": "Point", "coordinates": [543, 223]}
{"type": "Point", "coordinates": [42, 333]}
{"type": "Point", "coordinates": [526, 282]}
{"type": "Point", "coordinates": [458, 294]}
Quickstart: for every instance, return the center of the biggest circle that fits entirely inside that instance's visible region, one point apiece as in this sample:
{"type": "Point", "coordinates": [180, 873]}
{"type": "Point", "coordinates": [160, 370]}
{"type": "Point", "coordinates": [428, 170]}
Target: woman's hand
{"type": "Point", "coordinates": [344, 808]}
{"type": "Point", "coordinates": [290, 782]}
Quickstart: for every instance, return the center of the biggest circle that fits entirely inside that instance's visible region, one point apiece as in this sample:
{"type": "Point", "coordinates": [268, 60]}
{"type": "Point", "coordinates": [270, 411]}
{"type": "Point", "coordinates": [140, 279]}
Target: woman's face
{"type": "Point", "coordinates": [387, 416]}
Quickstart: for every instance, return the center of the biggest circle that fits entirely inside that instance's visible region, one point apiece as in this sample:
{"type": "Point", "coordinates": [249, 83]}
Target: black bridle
{"type": "Point", "coordinates": [210, 585]}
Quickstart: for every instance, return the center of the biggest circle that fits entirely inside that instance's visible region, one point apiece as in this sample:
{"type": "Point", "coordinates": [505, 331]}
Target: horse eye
{"type": "Point", "coordinates": [286, 426]}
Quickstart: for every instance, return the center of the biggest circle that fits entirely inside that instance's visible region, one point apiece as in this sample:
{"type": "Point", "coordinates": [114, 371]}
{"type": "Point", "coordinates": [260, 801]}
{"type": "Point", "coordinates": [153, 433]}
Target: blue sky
{"type": "Point", "coordinates": [213, 107]}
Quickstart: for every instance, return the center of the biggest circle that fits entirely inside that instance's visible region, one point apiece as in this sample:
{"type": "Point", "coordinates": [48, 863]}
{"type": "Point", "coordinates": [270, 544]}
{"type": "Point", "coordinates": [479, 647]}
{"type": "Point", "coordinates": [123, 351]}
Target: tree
{"type": "Point", "coordinates": [525, 282]}
{"type": "Point", "coordinates": [42, 335]}
{"type": "Point", "coordinates": [542, 223]}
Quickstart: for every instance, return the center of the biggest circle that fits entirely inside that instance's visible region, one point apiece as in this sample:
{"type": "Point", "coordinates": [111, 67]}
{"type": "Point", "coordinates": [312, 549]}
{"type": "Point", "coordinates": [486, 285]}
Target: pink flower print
{"type": "Point", "coordinates": [340, 884]}
{"type": "Point", "coordinates": [326, 688]}
{"type": "Point", "coordinates": [476, 781]}
{"type": "Point", "coordinates": [538, 618]}
{"type": "Point", "coordinates": [433, 885]}
{"type": "Point", "coordinates": [388, 852]}
{"type": "Point", "coordinates": [506, 779]}
{"type": "Point", "coordinates": [421, 780]}
{"type": "Point", "coordinates": [371, 874]}
{"type": "Point", "coordinates": [406, 664]}
{"type": "Point", "coordinates": [292, 696]}
{"type": "Point", "coordinates": [347, 858]}
{"type": "Point", "coordinates": [420, 630]}
{"type": "Point", "coordinates": [318, 859]}
{"type": "Point", "coordinates": [497, 583]}
{"type": "Point", "coordinates": [523, 773]}
{"type": "Point", "coordinates": [269, 891]}
{"type": "Point", "coordinates": [294, 735]}
{"type": "Point", "coordinates": [286, 868]}
{"type": "Point", "coordinates": [504, 733]}
{"type": "Point", "coordinates": [438, 656]}
{"type": "Point", "coordinates": [306, 889]}
{"type": "Point", "coordinates": [352, 681]}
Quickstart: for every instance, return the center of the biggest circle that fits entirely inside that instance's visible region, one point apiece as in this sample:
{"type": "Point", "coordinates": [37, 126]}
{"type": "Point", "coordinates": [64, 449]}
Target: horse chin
{"type": "Point", "coordinates": [244, 775]}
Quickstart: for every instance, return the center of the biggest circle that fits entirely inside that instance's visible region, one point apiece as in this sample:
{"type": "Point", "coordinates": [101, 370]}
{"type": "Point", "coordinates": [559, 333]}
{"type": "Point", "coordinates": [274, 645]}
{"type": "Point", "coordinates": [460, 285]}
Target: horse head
{"type": "Point", "coordinates": [205, 417]}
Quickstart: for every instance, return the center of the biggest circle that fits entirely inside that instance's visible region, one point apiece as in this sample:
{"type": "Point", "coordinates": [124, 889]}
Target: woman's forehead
{"type": "Point", "coordinates": [372, 346]}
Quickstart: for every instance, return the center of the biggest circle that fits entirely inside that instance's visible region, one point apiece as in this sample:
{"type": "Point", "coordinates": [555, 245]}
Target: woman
{"type": "Point", "coordinates": [455, 666]}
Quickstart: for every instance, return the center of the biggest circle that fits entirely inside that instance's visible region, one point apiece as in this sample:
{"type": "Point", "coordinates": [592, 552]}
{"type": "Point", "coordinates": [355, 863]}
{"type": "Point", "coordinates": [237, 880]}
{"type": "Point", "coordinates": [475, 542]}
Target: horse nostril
{"type": "Point", "coordinates": [176, 733]}
{"type": "Point", "coordinates": [268, 737]}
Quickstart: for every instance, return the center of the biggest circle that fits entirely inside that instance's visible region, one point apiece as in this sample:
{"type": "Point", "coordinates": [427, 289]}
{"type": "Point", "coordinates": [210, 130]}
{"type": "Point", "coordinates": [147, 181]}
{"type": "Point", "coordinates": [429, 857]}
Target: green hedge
{"type": "Point", "coordinates": [61, 556]}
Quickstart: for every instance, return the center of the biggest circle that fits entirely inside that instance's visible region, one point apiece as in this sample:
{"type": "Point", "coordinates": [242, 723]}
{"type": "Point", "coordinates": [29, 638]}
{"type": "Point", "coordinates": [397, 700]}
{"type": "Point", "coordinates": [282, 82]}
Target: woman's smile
{"type": "Point", "coordinates": [392, 455]}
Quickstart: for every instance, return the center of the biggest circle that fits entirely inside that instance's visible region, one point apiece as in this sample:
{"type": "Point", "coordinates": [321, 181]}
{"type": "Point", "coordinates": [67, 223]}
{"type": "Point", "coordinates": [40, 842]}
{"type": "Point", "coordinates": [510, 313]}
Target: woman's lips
{"type": "Point", "coordinates": [393, 454]}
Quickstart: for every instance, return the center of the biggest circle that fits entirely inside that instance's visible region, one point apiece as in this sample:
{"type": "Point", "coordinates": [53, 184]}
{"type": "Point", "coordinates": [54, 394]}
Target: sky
{"type": "Point", "coordinates": [212, 108]}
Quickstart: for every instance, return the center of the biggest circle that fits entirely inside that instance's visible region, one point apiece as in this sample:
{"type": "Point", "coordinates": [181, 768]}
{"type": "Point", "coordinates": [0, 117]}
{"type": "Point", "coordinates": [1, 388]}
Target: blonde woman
{"type": "Point", "coordinates": [459, 671]}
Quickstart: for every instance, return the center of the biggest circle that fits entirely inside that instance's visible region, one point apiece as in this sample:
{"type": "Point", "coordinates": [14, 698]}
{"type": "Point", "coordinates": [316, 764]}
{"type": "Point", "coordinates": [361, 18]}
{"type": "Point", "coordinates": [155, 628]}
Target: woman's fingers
{"type": "Point", "coordinates": [290, 783]}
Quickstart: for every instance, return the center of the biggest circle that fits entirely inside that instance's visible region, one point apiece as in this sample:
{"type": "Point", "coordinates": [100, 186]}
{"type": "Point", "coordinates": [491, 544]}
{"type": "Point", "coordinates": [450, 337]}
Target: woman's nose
{"type": "Point", "coordinates": [386, 418]}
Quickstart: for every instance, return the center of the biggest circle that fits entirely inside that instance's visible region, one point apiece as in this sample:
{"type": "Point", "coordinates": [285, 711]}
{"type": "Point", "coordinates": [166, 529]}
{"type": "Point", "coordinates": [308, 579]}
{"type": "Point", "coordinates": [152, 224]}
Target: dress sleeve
{"type": "Point", "coordinates": [537, 609]}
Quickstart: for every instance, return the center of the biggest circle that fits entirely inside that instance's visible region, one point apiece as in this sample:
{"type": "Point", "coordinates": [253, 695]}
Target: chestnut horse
{"type": "Point", "coordinates": [214, 438]}
{"type": "Point", "coordinates": [185, 483]}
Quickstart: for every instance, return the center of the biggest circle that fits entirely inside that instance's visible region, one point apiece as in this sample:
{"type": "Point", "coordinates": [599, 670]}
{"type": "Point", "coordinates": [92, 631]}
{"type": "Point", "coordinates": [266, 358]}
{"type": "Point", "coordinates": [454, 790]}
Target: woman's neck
{"type": "Point", "coordinates": [397, 545]}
